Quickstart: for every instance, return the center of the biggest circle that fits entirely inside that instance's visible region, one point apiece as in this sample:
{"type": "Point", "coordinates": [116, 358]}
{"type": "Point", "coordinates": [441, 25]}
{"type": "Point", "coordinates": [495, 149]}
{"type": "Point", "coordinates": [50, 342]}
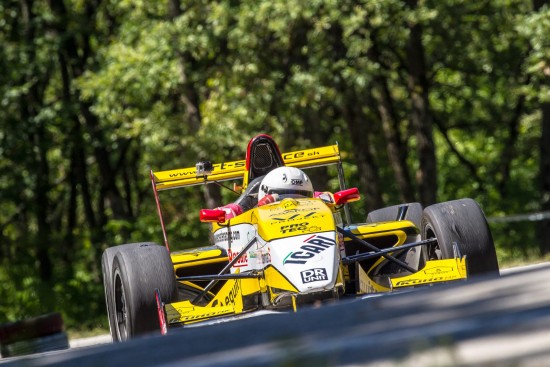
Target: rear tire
{"type": "Point", "coordinates": [137, 271]}
{"type": "Point", "coordinates": [461, 222]}
{"type": "Point", "coordinates": [390, 213]}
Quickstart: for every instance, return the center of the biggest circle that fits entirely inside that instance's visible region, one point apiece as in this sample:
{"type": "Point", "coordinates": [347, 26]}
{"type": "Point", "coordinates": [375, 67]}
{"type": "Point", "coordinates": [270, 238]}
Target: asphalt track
{"type": "Point", "coordinates": [501, 321]}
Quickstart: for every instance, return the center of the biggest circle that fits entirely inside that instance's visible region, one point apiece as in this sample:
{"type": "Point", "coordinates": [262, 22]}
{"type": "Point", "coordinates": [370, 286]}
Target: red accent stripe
{"type": "Point", "coordinates": [310, 238]}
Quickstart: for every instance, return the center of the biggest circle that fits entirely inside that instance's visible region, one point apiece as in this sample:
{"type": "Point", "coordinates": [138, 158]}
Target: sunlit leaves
{"type": "Point", "coordinates": [282, 67]}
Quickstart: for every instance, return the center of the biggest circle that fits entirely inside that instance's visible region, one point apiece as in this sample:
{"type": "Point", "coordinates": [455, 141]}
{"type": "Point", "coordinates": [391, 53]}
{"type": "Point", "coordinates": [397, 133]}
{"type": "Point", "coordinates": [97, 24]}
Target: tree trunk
{"type": "Point", "coordinates": [318, 136]}
{"type": "Point", "coordinates": [363, 149]}
{"type": "Point", "coordinates": [396, 148]}
{"type": "Point", "coordinates": [42, 187]}
{"type": "Point", "coordinates": [544, 174]}
{"type": "Point", "coordinates": [544, 226]}
{"type": "Point", "coordinates": [421, 118]}
{"type": "Point", "coordinates": [30, 104]}
{"type": "Point", "coordinates": [212, 196]}
{"type": "Point", "coordinates": [190, 100]}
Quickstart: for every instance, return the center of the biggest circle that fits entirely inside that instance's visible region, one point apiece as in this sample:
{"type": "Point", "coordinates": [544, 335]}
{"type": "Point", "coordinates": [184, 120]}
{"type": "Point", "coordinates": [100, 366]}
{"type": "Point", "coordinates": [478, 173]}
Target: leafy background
{"type": "Point", "coordinates": [429, 100]}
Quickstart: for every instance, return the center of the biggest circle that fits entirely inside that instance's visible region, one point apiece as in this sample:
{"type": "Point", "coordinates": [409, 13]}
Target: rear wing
{"type": "Point", "coordinates": [308, 158]}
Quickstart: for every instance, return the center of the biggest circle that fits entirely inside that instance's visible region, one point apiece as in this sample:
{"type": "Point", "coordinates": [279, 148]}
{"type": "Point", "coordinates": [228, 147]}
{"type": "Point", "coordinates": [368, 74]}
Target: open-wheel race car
{"type": "Point", "coordinates": [286, 248]}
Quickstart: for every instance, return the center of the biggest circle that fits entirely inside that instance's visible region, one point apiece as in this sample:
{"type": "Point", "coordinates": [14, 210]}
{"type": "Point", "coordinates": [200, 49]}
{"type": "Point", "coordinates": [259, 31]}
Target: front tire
{"type": "Point", "coordinates": [137, 271]}
{"type": "Point", "coordinates": [461, 222]}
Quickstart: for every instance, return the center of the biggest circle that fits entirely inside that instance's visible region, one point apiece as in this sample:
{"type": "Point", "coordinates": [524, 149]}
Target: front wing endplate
{"type": "Point", "coordinates": [435, 271]}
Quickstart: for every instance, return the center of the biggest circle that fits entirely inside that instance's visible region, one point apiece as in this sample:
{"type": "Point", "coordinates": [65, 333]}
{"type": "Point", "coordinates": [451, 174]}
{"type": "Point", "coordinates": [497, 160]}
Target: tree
{"type": "Point", "coordinates": [427, 100]}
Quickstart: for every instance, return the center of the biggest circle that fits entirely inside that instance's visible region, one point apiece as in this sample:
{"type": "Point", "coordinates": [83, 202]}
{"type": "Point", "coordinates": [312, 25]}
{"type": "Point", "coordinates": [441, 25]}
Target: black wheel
{"type": "Point", "coordinates": [413, 213]}
{"type": "Point", "coordinates": [106, 268]}
{"type": "Point", "coordinates": [138, 270]}
{"type": "Point", "coordinates": [461, 222]}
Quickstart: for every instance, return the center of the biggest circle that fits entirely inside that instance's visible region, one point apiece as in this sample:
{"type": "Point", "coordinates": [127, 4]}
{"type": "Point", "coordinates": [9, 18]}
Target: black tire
{"type": "Point", "coordinates": [106, 268]}
{"type": "Point", "coordinates": [138, 269]}
{"type": "Point", "coordinates": [414, 214]}
{"type": "Point", "coordinates": [461, 222]}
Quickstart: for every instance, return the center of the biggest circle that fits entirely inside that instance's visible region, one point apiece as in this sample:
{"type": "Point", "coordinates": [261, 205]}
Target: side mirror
{"type": "Point", "coordinates": [346, 196]}
{"type": "Point", "coordinates": [212, 215]}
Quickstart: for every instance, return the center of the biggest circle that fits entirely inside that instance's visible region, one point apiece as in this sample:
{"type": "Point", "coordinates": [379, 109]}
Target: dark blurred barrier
{"type": "Point", "coordinates": [36, 335]}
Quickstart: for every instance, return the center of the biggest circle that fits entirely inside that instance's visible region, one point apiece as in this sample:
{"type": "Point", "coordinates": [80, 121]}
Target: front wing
{"type": "Point", "coordinates": [237, 296]}
{"type": "Point", "coordinates": [435, 271]}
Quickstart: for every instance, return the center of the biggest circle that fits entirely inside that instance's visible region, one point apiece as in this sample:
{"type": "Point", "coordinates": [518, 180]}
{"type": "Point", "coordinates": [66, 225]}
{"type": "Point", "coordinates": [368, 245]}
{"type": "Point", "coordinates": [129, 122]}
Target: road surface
{"type": "Point", "coordinates": [502, 321]}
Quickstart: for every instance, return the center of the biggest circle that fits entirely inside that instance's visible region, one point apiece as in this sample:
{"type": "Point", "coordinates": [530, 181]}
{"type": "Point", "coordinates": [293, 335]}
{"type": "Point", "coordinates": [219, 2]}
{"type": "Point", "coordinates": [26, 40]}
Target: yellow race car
{"type": "Point", "coordinates": [293, 250]}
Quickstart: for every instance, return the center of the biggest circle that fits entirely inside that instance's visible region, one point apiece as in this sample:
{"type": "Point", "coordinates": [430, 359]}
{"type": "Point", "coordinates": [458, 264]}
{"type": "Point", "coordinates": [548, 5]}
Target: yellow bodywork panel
{"type": "Point", "coordinates": [277, 283]}
{"type": "Point", "coordinates": [435, 271]}
{"type": "Point", "coordinates": [279, 221]}
{"type": "Point", "coordinates": [401, 229]}
{"type": "Point", "coordinates": [185, 312]}
{"type": "Point", "coordinates": [366, 284]}
{"type": "Point", "coordinates": [198, 256]}
{"type": "Point", "coordinates": [237, 169]}
{"type": "Point", "coordinates": [228, 301]}
{"type": "Point", "coordinates": [282, 220]}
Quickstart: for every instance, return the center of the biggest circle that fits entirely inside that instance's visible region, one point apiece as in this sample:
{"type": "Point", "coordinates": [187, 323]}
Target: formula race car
{"type": "Point", "coordinates": [294, 250]}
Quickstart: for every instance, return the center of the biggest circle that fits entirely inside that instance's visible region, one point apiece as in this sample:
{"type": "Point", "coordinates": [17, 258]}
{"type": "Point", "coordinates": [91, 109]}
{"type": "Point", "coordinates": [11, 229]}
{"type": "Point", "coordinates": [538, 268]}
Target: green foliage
{"type": "Point", "coordinates": [96, 94]}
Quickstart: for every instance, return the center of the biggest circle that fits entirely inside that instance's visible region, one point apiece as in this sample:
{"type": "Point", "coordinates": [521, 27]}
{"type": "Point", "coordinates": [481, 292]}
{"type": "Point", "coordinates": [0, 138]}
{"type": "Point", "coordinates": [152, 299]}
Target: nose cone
{"type": "Point", "coordinates": [309, 262]}
{"type": "Point", "coordinates": [291, 217]}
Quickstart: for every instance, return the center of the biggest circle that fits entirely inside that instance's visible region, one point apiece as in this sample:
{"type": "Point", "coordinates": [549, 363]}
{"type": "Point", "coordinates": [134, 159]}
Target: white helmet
{"type": "Point", "coordinates": [286, 180]}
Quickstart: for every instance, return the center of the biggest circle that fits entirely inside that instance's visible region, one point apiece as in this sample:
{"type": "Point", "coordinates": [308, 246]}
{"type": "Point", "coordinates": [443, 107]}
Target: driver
{"type": "Point", "coordinates": [269, 188]}
{"type": "Point", "coordinates": [284, 181]}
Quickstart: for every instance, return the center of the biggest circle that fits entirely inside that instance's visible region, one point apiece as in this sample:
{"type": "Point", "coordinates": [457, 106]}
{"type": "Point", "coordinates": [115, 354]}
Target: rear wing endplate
{"type": "Point", "coordinates": [308, 158]}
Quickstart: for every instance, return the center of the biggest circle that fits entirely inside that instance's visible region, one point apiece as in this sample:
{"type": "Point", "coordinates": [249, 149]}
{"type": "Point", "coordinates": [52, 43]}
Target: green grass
{"type": "Point", "coordinates": [522, 261]}
{"type": "Point", "coordinates": [86, 333]}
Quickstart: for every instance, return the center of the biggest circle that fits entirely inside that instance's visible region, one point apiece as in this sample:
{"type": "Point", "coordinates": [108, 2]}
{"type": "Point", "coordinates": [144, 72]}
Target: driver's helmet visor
{"type": "Point", "coordinates": [305, 193]}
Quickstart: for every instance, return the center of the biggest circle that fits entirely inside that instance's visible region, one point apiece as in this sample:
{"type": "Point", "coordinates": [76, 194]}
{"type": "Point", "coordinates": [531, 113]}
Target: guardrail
{"type": "Point", "coordinates": [528, 217]}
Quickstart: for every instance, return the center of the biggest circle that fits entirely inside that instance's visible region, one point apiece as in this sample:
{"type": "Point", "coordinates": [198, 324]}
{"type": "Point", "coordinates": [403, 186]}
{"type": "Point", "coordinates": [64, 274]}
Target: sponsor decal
{"type": "Point", "coordinates": [315, 245]}
{"type": "Point", "coordinates": [281, 217]}
{"type": "Point", "coordinates": [314, 275]}
{"type": "Point", "coordinates": [230, 165]}
{"type": "Point", "coordinates": [217, 167]}
{"type": "Point", "coordinates": [243, 260]}
{"type": "Point", "coordinates": [289, 203]}
{"type": "Point", "coordinates": [230, 298]}
{"type": "Point", "coordinates": [297, 182]}
{"type": "Point", "coordinates": [439, 270]}
{"type": "Point", "coordinates": [221, 237]}
{"type": "Point", "coordinates": [294, 227]}
{"type": "Point", "coordinates": [289, 207]}
{"type": "Point", "coordinates": [266, 257]}
{"type": "Point", "coordinates": [201, 316]}
{"type": "Point", "coordinates": [300, 154]}
{"type": "Point", "coordinates": [409, 282]}
{"type": "Point", "coordinates": [262, 257]}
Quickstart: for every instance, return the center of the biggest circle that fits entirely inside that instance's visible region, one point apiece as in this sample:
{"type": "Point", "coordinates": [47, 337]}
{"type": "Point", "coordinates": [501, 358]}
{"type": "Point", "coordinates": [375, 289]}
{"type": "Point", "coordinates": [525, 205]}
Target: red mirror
{"type": "Point", "coordinates": [346, 196]}
{"type": "Point", "coordinates": [212, 215]}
